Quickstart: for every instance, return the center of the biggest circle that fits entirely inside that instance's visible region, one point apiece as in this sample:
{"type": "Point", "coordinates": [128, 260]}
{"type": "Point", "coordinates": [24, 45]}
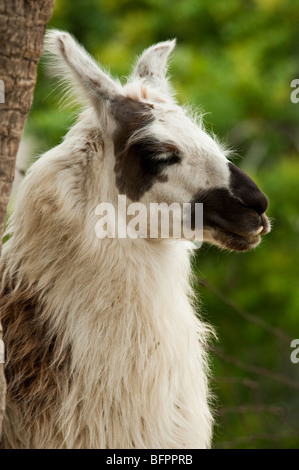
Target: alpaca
{"type": "Point", "coordinates": [104, 345]}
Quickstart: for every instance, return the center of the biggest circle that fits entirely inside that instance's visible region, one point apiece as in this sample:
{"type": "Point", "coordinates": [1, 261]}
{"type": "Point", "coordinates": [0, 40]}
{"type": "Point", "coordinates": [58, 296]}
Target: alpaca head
{"type": "Point", "coordinates": [161, 153]}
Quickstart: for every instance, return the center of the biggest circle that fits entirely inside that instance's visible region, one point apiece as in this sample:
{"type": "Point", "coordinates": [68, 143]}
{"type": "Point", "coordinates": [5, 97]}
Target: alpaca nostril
{"type": "Point", "coordinates": [259, 208]}
{"type": "Point", "coordinates": [243, 187]}
{"type": "Point", "coordinates": [259, 203]}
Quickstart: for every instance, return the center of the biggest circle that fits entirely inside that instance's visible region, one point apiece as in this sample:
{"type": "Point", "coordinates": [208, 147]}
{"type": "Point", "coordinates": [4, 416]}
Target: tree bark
{"type": "Point", "coordinates": [22, 29]}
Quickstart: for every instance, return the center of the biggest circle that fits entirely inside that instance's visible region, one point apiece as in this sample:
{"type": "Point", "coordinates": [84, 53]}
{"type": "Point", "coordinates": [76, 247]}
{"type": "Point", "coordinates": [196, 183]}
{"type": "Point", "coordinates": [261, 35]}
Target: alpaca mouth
{"type": "Point", "coordinates": [234, 241]}
{"type": "Point", "coordinates": [234, 218]}
{"type": "Point", "coordinates": [237, 240]}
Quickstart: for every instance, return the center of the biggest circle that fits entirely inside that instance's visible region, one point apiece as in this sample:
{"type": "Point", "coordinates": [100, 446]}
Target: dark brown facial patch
{"type": "Point", "coordinates": [237, 209]}
{"type": "Point", "coordinates": [243, 187]}
{"type": "Point", "coordinates": [137, 165]}
{"type": "Point", "coordinates": [222, 210]}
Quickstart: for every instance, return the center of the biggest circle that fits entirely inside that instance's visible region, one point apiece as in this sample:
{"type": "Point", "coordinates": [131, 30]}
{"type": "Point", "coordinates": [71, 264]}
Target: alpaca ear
{"type": "Point", "coordinates": [152, 65]}
{"type": "Point", "coordinates": [73, 64]}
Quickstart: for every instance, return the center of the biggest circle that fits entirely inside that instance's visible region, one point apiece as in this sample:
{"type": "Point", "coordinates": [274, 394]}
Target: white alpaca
{"type": "Point", "coordinates": [104, 349]}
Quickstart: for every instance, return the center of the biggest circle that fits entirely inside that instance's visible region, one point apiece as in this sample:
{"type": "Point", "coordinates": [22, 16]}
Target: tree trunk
{"type": "Point", "coordinates": [22, 29]}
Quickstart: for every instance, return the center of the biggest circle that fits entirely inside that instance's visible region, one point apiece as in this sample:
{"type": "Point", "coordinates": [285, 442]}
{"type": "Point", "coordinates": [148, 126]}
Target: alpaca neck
{"type": "Point", "coordinates": [130, 290]}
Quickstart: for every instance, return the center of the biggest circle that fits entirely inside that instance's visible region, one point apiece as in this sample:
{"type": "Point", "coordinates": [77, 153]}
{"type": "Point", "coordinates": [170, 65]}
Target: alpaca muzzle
{"type": "Point", "coordinates": [234, 217]}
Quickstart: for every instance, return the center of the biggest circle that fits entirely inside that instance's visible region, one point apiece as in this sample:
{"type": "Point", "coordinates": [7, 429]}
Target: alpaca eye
{"type": "Point", "coordinates": [173, 159]}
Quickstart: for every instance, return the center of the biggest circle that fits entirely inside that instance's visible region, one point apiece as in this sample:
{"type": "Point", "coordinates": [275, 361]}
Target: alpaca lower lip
{"type": "Point", "coordinates": [234, 241]}
{"type": "Point", "coordinates": [249, 234]}
{"type": "Point", "coordinates": [250, 238]}
{"type": "Point", "coordinates": [259, 230]}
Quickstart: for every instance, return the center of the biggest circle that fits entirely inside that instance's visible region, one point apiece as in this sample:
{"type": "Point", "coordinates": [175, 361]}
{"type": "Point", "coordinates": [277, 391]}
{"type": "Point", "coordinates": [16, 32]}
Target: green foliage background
{"type": "Point", "coordinates": [235, 59]}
